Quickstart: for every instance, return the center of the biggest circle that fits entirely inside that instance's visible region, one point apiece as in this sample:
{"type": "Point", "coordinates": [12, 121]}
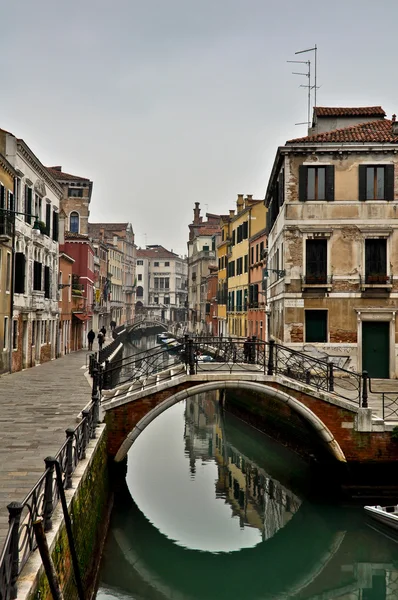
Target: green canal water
{"type": "Point", "coordinates": [213, 509]}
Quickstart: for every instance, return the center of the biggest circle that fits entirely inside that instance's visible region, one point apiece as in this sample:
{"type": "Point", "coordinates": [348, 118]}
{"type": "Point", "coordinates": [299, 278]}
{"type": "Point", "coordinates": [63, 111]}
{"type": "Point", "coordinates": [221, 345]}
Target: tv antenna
{"type": "Point", "coordinates": [308, 86]}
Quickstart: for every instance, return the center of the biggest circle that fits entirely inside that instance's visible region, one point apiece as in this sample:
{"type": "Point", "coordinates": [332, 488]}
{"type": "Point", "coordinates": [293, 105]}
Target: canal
{"type": "Point", "coordinates": [213, 509]}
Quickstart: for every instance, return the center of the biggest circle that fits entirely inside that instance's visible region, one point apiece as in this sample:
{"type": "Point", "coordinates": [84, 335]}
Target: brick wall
{"type": "Point", "coordinates": [357, 447]}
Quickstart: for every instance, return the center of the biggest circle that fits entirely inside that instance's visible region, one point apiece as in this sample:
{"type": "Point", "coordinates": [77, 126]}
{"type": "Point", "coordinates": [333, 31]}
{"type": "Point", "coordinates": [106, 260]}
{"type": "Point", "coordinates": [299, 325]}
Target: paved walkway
{"type": "Point", "coordinates": [36, 406]}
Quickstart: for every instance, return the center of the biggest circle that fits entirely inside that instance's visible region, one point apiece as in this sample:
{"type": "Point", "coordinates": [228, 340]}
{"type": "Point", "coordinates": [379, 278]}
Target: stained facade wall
{"type": "Point", "coordinates": [345, 224]}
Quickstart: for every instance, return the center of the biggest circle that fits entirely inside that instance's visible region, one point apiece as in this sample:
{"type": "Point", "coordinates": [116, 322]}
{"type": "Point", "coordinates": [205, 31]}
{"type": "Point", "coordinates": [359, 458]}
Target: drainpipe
{"type": "Point", "coordinates": [11, 328]}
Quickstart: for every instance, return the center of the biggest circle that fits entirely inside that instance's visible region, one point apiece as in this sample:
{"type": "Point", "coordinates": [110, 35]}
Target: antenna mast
{"type": "Point", "coordinates": [315, 50]}
{"type": "Point", "coordinates": [308, 86]}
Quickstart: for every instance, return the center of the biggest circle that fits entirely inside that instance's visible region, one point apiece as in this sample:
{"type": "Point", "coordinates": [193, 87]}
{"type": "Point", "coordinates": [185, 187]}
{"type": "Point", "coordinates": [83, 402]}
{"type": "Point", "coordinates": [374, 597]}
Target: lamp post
{"type": "Point", "coordinates": [4, 213]}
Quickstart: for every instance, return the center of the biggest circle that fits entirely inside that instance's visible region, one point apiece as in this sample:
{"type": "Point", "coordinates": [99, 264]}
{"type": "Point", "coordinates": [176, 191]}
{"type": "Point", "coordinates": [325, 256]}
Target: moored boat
{"type": "Point", "coordinates": [386, 515]}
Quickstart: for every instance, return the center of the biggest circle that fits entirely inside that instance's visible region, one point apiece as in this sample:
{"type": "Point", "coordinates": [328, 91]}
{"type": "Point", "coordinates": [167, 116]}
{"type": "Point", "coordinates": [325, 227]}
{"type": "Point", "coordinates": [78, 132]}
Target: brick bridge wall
{"type": "Point", "coordinates": [358, 447]}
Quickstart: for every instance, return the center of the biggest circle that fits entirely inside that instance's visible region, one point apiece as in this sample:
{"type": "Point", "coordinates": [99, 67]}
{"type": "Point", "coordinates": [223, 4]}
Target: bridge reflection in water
{"type": "Point", "coordinates": [220, 511]}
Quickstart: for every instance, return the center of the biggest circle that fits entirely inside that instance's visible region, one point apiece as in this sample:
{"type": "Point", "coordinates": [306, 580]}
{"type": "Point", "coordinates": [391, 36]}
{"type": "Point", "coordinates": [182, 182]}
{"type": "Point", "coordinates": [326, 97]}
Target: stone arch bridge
{"type": "Point", "coordinates": [321, 409]}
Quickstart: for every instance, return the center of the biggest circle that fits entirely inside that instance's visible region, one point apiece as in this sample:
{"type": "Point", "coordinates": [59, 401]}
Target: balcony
{"type": "Point", "coordinates": [128, 289]}
{"type": "Point", "coordinates": [374, 281]}
{"type": "Point", "coordinates": [37, 300]}
{"type": "Point", "coordinates": [6, 225]}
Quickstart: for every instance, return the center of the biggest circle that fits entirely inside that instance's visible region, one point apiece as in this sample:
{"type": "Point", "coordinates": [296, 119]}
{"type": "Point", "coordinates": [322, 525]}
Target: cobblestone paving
{"type": "Point", "coordinates": [36, 406]}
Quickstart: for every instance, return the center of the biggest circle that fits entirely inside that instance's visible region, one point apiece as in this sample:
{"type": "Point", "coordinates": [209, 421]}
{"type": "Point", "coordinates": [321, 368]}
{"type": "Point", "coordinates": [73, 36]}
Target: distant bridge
{"type": "Point", "coordinates": [146, 322]}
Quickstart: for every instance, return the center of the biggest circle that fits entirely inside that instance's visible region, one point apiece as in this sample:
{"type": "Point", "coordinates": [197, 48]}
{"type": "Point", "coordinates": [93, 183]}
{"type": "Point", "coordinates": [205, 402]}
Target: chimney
{"type": "Point", "coordinates": [196, 214]}
{"type": "Point", "coordinates": [394, 125]}
{"type": "Point", "coordinates": [239, 203]}
{"type": "Point", "coordinates": [231, 214]}
{"type": "Point", "coordinates": [101, 235]}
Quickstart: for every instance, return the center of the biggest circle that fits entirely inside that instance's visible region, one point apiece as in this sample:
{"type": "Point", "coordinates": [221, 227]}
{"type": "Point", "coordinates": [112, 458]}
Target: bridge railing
{"type": "Point", "coordinates": [275, 359]}
{"type": "Point", "coordinates": [237, 354]}
{"type": "Point", "coordinates": [43, 498]}
{"type": "Point", "coordinates": [140, 366]}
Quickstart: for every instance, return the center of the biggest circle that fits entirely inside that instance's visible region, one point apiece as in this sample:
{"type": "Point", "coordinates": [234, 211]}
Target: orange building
{"type": "Point", "coordinates": [211, 301]}
{"type": "Point", "coordinates": [256, 316]}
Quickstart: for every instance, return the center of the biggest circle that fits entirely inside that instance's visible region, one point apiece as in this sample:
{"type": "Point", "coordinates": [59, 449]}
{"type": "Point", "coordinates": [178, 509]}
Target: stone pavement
{"type": "Point", "coordinates": [36, 406]}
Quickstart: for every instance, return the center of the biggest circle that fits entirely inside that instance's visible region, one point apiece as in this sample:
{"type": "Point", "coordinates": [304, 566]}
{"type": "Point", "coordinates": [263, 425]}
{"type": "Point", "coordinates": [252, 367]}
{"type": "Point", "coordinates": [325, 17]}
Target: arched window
{"type": "Point", "coordinates": [74, 222]}
{"type": "Point", "coordinates": [140, 291]}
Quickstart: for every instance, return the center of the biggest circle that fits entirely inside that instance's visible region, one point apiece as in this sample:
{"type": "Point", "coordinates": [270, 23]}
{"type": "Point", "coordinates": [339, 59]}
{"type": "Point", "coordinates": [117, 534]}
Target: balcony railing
{"type": "Point", "coordinates": [317, 280]}
{"type": "Point", "coordinates": [6, 225]}
{"type": "Point", "coordinates": [378, 279]}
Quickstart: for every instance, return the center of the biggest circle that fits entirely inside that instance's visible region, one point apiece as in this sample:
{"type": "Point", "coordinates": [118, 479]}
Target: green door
{"type": "Point", "coordinates": [376, 349]}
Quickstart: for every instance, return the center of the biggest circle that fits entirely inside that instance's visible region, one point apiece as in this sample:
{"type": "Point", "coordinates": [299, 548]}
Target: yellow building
{"type": "Point", "coordinates": [7, 333]}
{"type": "Point", "coordinates": [238, 265]}
{"type": "Point", "coordinates": [222, 296]}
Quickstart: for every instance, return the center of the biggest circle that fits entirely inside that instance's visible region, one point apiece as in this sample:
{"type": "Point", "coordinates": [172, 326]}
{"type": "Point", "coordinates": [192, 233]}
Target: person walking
{"type": "Point", "coordinates": [100, 337]}
{"type": "Point", "coordinates": [90, 338]}
{"type": "Point", "coordinates": [103, 331]}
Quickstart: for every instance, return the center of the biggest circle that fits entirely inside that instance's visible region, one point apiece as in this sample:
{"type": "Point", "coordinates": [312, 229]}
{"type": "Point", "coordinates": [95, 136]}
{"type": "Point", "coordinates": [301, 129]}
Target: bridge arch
{"type": "Point", "coordinates": [324, 434]}
{"type": "Point", "coordinates": [148, 322]}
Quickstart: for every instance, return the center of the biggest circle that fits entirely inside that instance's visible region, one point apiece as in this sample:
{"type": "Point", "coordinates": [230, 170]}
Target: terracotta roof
{"type": "Point", "coordinates": [342, 111]}
{"type": "Point", "coordinates": [375, 131]}
{"type": "Point", "coordinates": [155, 252]}
{"type": "Point", "coordinates": [69, 235]}
{"type": "Point", "coordinates": [110, 229]}
{"type": "Point", "coordinates": [58, 174]}
{"type": "Point", "coordinates": [208, 231]}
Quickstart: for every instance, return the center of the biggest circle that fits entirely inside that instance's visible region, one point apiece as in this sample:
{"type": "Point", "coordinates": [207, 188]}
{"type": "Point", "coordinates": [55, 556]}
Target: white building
{"type": "Point", "coordinates": [35, 284]}
{"type": "Point", "coordinates": [161, 284]}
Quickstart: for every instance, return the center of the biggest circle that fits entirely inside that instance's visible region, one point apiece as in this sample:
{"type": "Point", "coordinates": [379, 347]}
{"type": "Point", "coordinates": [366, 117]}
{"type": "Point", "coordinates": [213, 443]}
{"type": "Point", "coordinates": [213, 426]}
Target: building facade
{"type": "Point", "coordinates": [7, 337]}
{"type": "Point", "coordinates": [35, 310]}
{"type": "Point", "coordinates": [256, 308]}
{"type": "Point", "coordinates": [119, 236]}
{"type": "Point", "coordinates": [203, 240]}
{"type": "Point", "coordinates": [161, 284]}
{"type": "Point", "coordinates": [222, 292]}
{"type": "Point", "coordinates": [238, 263]}
{"type": "Point", "coordinates": [333, 239]}
{"type": "Point", "coordinates": [65, 303]}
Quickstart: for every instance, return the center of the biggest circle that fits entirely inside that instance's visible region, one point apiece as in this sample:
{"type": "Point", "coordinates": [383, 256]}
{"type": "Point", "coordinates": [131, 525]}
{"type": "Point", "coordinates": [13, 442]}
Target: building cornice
{"type": "Point", "coordinates": [7, 166]}
{"type": "Point", "coordinates": [32, 159]}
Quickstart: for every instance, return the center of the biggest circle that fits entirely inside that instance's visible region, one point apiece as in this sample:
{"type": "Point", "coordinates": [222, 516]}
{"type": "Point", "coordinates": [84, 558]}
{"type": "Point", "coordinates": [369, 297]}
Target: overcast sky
{"type": "Point", "coordinates": [163, 103]}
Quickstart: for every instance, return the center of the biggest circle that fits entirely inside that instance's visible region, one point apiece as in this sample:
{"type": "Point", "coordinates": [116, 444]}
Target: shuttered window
{"type": "Point", "coordinates": [376, 182]}
{"type": "Point", "coordinates": [48, 219]}
{"type": "Point", "coordinates": [46, 282]}
{"type": "Point", "coordinates": [20, 261]}
{"type": "Point", "coordinates": [2, 196]}
{"type": "Point", "coordinates": [37, 276]}
{"type": "Point", "coordinates": [316, 325]}
{"type": "Point", "coordinates": [316, 262]}
{"type": "Point", "coordinates": [316, 183]}
{"type": "Point", "coordinates": [28, 204]}
{"type": "Point", "coordinates": [55, 226]}
{"type": "Point", "coordinates": [375, 261]}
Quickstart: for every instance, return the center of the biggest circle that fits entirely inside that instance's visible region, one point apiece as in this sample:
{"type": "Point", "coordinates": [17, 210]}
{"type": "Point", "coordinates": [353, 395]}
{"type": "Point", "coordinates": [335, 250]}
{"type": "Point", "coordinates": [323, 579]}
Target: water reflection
{"type": "Point", "coordinates": [215, 509]}
{"type": "Point", "coordinates": [254, 497]}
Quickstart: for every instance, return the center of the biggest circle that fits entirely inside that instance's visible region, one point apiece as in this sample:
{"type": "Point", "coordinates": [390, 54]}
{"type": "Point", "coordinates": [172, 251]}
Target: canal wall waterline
{"type": "Point", "coordinates": [89, 506]}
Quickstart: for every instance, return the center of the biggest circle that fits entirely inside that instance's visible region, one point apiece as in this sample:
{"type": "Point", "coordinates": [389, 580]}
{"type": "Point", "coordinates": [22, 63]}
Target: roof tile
{"type": "Point", "coordinates": [375, 131]}
{"type": "Point", "coordinates": [351, 111]}
{"type": "Point", "coordinates": [61, 176]}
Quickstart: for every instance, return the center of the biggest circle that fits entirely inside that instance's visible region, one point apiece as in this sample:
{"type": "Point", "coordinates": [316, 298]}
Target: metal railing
{"type": "Point", "coordinates": [43, 498]}
{"type": "Point", "coordinates": [237, 354]}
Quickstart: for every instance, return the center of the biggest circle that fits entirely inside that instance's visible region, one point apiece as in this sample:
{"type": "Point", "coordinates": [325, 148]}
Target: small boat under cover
{"type": "Point", "coordinates": [386, 515]}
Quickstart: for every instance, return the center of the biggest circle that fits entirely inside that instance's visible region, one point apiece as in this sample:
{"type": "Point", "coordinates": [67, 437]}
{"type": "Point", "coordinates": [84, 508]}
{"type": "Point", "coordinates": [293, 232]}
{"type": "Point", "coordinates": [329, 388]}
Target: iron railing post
{"type": "Point", "coordinates": [365, 378]}
{"type": "Point", "coordinates": [185, 355]}
{"type": "Point", "coordinates": [86, 433]}
{"type": "Point", "coordinates": [271, 351]}
{"type": "Point", "coordinates": [49, 494]}
{"type": "Point", "coordinates": [95, 381]}
{"type": "Point", "coordinates": [69, 457]}
{"type": "Point", "coordinates": [382, 399]}
{"type": "Point", "coordinates": [308, 376]}
{"type": "Point", "coordinates": [107, 375]}
{"type": "Point", "coordinates": [14, 518]}
{"type": "Point", "coordinates": [330, 377]}
{"type": "Point", "coordinates": [191, 357]}
{"type": "Point", "coordinates": [253, 348]}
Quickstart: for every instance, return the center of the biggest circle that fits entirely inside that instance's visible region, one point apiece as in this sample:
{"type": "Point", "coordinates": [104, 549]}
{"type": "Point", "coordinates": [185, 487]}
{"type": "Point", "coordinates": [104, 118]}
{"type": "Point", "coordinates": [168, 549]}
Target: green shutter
{"type": "Point", "coordinates": [389, 182]}
{"type": "Point", "coordinates": [303, 177]}
{"type": "Point", "coordinates": [329, 183]}
{"type": "Point", "coordinates": [362, 182]}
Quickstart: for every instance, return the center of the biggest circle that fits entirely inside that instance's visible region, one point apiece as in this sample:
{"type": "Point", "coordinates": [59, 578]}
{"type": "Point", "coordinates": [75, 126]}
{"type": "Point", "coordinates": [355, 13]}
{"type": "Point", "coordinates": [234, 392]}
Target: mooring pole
{"type": "Point", "coordinates": [69, 532]}
{"type": "Point", "coordinates": [47, 560]}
